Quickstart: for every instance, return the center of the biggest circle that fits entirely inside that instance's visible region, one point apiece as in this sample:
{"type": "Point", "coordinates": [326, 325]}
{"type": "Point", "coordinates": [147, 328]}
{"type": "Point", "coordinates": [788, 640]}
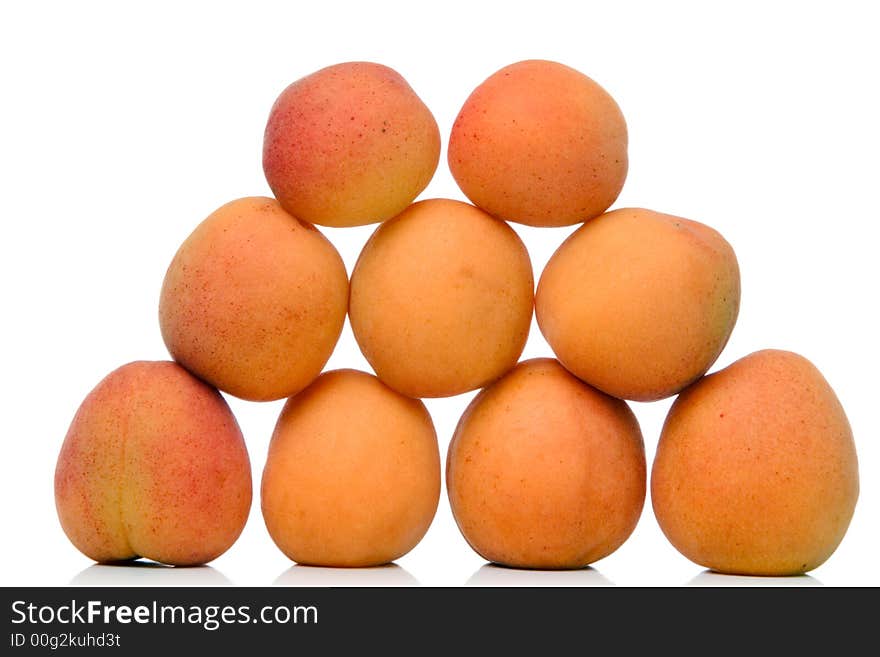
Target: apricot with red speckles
{"type": "Point", "coordinates": [153, 465]}
{"type": "Point", "coordinates": [541, 144]}
{"type": "Point", "coordinates": [254, 301]}
{"type": "Point", "coordinates": [348, 145]}
{"type": "Point", "coordinates": [756, 470]}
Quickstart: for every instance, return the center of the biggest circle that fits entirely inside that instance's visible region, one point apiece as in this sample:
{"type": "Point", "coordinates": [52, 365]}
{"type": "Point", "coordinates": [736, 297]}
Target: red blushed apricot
{"type": "Point", "coordinates": [153, 465]}
{"type": "Point", "coordinates": [254, 301]}
{"type": "Point", "coordinates": [756, 470]}
{"type": "Point", "coordinates": [348, 145]}
{"type": "Point", "coordinates": [544, 471]}
{"type": "Point", "coordinates": [541, 144]}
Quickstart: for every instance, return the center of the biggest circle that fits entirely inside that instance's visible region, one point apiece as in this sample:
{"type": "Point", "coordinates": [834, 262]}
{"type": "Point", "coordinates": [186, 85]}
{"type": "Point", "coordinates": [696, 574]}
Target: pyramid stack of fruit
{"type": "Point", "coordinates": [755, 469]}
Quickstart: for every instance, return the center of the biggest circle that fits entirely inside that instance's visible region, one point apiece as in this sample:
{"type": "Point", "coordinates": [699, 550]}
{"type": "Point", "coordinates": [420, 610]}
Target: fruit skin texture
{"type": "Point", "coordinates": [352, 477]}
{"type": "Point", "coordinates": [348, 145]}
{"type": "Point", "coordinates": [544, 471]}
{"type": "Point", "coordinates": [756, 470]}
{"type": "Point", "coordinates": [441, 299]}
{"type": "Point", "coordinates": [254, 301]}
{"type": "Point", "coordinates": [541, 144]}
{"type": "Point", "coordinates": [154, 465]}
{"type": "Point", "coordinates": [639, 304]}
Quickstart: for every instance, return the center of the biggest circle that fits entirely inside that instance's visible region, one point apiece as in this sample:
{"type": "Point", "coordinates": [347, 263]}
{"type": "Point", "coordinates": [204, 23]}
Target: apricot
{"type": "Point", "coordinates": [348, 145]}
{"type": "Point", "coordinates": [254, 301]}
{"type": "Point", "coordinates": [756, 470]}
{"type": "Point", "coordinates": [352, 477]}
{"type": "Point", "coordinates": [441, 299]}
{"type": "Point", "coordinates": [541, 144]}
{"type": "Point", "coordinates": [153, 465]}
{"type": "Point", "coordinates": [544, 471]}
{"type": "Point", "coordinates": [639, 304]}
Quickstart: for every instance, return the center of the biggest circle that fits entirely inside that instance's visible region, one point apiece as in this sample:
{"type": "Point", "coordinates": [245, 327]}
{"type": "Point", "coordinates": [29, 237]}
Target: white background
{"type": "Point", "coordinates": [122, 128]}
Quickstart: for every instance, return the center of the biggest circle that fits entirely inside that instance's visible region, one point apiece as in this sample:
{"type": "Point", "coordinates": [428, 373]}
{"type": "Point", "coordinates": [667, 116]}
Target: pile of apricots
{"type": "Point", "coordinates": [755, 470]}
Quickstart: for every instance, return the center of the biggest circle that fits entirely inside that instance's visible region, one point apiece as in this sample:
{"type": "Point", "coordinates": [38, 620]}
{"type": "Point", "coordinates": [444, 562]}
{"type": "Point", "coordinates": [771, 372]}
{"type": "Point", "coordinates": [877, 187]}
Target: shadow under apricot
{"type": "Point", "coordinates": [495, 575]}
{"type": "Point", "coordinates": [148, 573]}
{"type": "Point", "coordinates": [388, 575]}
{"type": "Point", "coordinates": [713, 578]}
